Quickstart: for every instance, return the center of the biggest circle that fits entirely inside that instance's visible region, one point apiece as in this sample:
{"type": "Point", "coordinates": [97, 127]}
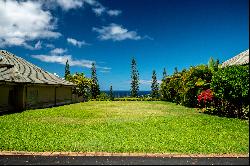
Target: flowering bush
{"type": "Point", "coordinates": [184, 87]}
{"type": "Point", "coordinates": [205, 98]}
{"type": "Point", "coordinates": [230, 86]}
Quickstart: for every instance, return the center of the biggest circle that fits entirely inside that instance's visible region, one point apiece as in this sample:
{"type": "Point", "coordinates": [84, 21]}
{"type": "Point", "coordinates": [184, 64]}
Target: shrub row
{"type": "Point", "coordinates": [127, 99]}
{"type": "Point", "coordinates": [230, 87]}
{"type": "Point", "coordinates": [223, 92]}
{"type": "Point", "coordinates": [136, 99]}
{"type": "Point", "coordinates": [184, 87]}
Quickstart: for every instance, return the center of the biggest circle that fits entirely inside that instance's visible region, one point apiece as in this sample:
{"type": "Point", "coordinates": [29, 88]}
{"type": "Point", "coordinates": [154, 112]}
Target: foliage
{"type": "Point", "coordinates": [136, 99]}
{"type": "Point", "coordinates": [83, 85]}
{"type": "Point", "coordinates": [134, 79]}
{"type": "Point", "coordinates": [205, 98]}
{"type": "Point", "coordinates": [95, 89]}
{"type": "Point", "coordinates": [67, 71]}
{"type": "Point", "coordinates": [222, 91]}
{"type": "Point", "coordinates": [194, 80]}
{"type": "Point", "coordinates": [216, 66]}
{"type": "Point", "coordinates": [123, 126]}
{"type": "Point", "coordinates": [102, 97]}
{"type": "Point", "coordinates": [183, 87]}
{"type": "Point", "coordinates": [154, 86]}
{"type": "Point", "coordinates": [171, 87]}
{"type": "Point", "coordinates": [231, 89]}
{"type": "Point", "coordinates": [111, 95]}
{"type": "Point", "coordinates": [213, 65]}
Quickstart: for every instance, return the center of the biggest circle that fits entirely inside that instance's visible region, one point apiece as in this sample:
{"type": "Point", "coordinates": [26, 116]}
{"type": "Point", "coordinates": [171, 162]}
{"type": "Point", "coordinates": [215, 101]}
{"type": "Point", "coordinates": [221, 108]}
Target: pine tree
{"type": "Point", "coordinates": [67, 71]}
{"type": "Point", "coordinates": [216, 65]}
{"type": "Point", "coordinates": [164, 73]}
{"type": "Point", "coordinates": [95, 89]}
{"type": "Point", "coordinates": [111, 95]}
{"type": "Point", "coordinates": [134, 79]}
{"type": "Point", "coordinates": [154, 86]}
{"type": "Point", "coordinates": [175, 70]}
{"type": "Point", "coordinates": [211, 64]}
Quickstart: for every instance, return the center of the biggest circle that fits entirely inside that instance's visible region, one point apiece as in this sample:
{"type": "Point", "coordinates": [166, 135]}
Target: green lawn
{"type": "Point", "coordinates": [123, 126]}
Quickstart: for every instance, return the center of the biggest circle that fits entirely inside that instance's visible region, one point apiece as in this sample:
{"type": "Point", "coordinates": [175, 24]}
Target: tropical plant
{"type": "Point", "coordinates": [231, 89]}
{"type": "Point", "coordinates": [102, 97]}
{"type": "Point", "coordinates": [205, 99]}
{"type": "Point", "coordinates": [83, 85]}
{"type": "Point", "coordinates": [194, 80]}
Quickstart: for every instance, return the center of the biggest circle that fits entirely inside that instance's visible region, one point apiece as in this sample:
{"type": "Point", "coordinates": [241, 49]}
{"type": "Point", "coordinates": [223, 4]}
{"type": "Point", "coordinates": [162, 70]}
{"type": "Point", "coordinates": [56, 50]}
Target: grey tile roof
{"type": "Point", "coordinates": [16, 69]}
{"type": "Point", "coordinates": [240, 59]}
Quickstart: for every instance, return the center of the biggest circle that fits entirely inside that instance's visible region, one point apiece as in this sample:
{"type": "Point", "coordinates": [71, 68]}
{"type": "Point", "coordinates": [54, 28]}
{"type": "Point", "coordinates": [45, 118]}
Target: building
{"type": "Point", "coordinates": [24, 85]}
{"type": "Point", "coordinates": [240, 59]}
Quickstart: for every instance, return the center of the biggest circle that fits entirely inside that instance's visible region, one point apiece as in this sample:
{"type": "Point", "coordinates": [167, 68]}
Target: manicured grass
{"type": "Point", "coordinates": [123, 126]}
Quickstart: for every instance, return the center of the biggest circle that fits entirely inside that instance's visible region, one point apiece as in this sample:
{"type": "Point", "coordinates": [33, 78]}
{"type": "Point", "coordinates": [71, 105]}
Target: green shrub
{"type": "Point", "coordinates": [231, 90]}
{"type": "Point", "coordinates": [195, 80]}
{"type": "Point", "coordinates": [83, 85]}
{"type": "Point", "coordinates": [184, 87]}
{"type": "Point", "coordinates": [103, 97]}
{"type": "Point", "coordinates": [136, 99]}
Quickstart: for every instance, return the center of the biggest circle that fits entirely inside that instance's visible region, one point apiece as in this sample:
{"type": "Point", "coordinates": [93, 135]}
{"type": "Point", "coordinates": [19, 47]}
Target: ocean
{"type": "Point", "coordinates": [119, 93]}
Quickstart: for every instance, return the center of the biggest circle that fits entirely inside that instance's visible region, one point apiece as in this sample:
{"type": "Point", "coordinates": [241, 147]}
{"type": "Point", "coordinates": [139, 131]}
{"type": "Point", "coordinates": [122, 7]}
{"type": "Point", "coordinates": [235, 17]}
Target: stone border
{"type": "Point", "coordinates": [5, 153]}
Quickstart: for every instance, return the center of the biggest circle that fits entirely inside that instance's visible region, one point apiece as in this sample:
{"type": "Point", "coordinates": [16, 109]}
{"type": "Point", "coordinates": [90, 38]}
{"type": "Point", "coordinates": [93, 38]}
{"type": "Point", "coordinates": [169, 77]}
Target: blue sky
{"type": "Point", "coordinates": [158, 33]}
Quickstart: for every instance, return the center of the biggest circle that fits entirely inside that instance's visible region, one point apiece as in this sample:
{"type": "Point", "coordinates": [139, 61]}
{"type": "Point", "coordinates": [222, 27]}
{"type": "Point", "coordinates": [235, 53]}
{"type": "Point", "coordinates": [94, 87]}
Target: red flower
{"type": "Point", "coordinates": [205, 96]}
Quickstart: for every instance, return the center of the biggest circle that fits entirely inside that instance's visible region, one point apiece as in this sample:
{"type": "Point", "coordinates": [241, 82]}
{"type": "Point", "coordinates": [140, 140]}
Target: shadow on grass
{"type": "Point", "coordinates": [14, 111]}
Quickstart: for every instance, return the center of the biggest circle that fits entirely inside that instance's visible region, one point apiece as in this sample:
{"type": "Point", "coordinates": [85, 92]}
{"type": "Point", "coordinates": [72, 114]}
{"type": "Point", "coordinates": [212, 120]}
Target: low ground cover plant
{"type": "Point", "coordinates": [123, 126]}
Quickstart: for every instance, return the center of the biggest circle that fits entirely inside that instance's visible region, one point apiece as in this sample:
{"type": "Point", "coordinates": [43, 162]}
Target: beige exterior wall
{"type": "Point", "coordinates": [11, 97]}
{"type": "Point", "coordinates": [4, 96]}
{"type": "Point", "coordinates": [40, 96]}
{"type": "Point", "coordinates": [63, 95]}
{"type": "Point", "coordinates": [77, 99]}
{"type": "Point", "coordinates": [46, 96]}
{"type": "Point", "coordinates": [18, 97]}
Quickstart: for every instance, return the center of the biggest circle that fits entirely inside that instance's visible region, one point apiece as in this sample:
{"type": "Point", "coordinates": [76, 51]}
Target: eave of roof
{"type": "Point", "coordinates": [240, 59]}
{"type": "Point", "coordinates": [16, 69]}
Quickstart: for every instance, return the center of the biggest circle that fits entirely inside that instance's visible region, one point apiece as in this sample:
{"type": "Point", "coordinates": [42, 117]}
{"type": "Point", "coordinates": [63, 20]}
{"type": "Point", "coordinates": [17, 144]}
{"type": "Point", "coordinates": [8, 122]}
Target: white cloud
{"type": "Point", "coordinates": [66, 5]}
{"type": "Point", "coordinates": [149, 82]}
{"type": "Point", "coordinates": [70, 4]}
{"type": "Point", "coordinates": [58, 51]}
{"type": "Point", "coordinates": [24, 21]}
{"type": "Point", "coordinates": [114, 12]}
{"type": "Point", "coordinates": [50, 46]}
{"type": "Point", "coordinates": [116, 33]}
{"type": "Point", "coordinates": [38, 45]}
{"type": "Point", "coordinates": [104, 68]}
{"type": "Point", "coordinates": [99, 10]}
{"type": "Point", "coordinates": [61, 59]}
{"type": "Point", "coordinates": [96, 6]}
{"type": "Point", "coordinates": [76, 43]}
{"type": "Point", "coordinates": [104, 71]}
{"type": "Point", "coordinates": [56, 75]}
{"type": "Point", "coordinates": [57, 56]}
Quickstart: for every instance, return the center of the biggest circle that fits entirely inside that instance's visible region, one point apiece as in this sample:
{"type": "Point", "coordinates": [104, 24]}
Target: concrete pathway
{"type": "Point", "coordinates": [101, 158]}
